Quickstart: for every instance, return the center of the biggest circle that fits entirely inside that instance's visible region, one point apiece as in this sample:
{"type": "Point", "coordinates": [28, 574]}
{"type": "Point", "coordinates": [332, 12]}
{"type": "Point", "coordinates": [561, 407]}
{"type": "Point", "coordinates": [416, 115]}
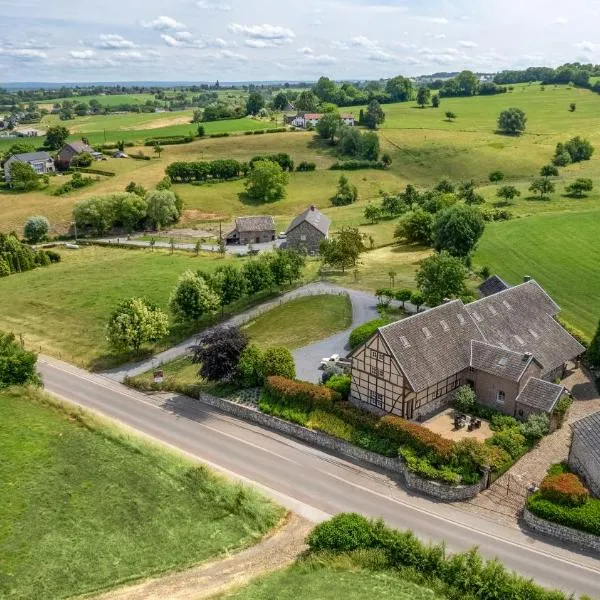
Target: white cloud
{"type": "Point", "coordinates": [436, 20]}
{"type": "Point", "coordinates": [440, 36]}
{"type": "Point", "coordinates": [169, 40]}
{"type": "Point", "coordinates": [560, 21]}
{"type": "Point", "coordinates": [24, 53]}
{"type": "Point", "coordinates": [112, 41]}
{"type": "Point", "coordinates": [379, 55]}
{"type": "Point", "coordinates": [227, 55]}
{"type": "Point", "coordinates": [364, 42]}
{"type": "Point", "coordinates": [306, 50]}
{"type": "Point", "coordinates": [467, 44]}
{"type": "Point", "coordinates": [163, 24]}
{"type": "Point", "coordinates": [31, 44]}
{"type": "Point", "coordinates": [82, 54]}
{"type": "Point", "coordinates": [129, 55]}
{"type": "Point", "coordinates": [260, 43]}
{"type": "Point", "coordinates": [272, 35]}
{"type": "Point", "coordinates": [204, 4]}
{"type": "Point", "coordinates": [586, 46]}
{"type": "Point", "coordinates": [320, 59]}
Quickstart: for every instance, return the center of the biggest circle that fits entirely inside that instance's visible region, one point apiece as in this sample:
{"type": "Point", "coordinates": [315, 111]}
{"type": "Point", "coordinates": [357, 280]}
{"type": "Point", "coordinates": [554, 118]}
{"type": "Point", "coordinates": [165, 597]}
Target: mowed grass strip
{"type": "Point", "coordinates": [560, 251]}
{"type": "Point", "coordinates": [84, 506]}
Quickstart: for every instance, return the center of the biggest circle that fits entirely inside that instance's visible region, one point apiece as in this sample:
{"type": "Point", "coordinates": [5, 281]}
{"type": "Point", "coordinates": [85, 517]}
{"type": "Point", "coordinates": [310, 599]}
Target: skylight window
{"type": "Point", "coordinates": [519, 340]}
{"type": "Point", "coordinates": [492, 309]}
{"type": "Point", "coordinates": [461, 319]}
{"type": "Point", "coordinates": [534, 334]}
{"type": "Point", "coordinates": [404, 341]}
{"type": "Point", "coordinates": [426, 333]}
{"type": "Point", "coordinates": [505, 302]}
{"type": "Point", "coordinates": [503, 361]}
{"type": "Point", "coordinates": [477, 317]}
{"type": "Point", "coordinates": [444, 325]}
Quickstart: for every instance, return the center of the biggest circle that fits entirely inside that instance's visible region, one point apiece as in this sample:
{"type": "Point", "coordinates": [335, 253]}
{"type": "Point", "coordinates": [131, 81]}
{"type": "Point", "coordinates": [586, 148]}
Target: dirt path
{"type": "Point", "coordinates": [274, 552]}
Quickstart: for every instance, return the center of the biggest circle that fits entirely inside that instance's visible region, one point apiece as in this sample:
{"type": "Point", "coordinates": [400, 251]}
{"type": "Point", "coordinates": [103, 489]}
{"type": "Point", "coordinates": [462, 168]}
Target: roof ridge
{"type": "Point", "coordinates": [418, 314]}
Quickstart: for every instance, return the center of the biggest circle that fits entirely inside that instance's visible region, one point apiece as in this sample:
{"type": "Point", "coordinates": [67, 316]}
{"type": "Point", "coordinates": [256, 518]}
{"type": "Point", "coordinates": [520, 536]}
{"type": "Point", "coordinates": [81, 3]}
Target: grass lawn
{"type": "Point", "coordinates": [559, 250]}
{"type": "Point", "coordinates": [85, 506]}
{"type": "Point", "coordinates": [331, 578]}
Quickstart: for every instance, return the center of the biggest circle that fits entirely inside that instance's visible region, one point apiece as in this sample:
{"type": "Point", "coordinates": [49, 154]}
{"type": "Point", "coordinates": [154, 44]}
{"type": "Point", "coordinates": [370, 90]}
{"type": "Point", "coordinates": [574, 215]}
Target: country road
{"type": "Point", "coordinates": [314, 483]}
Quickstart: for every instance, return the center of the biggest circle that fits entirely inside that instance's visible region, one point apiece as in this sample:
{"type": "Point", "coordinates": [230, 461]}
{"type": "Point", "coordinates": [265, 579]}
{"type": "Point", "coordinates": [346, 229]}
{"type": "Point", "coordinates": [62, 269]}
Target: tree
{"type": "Point", "coordinates": [81, 160]}
{"type": "Point", "coordinates": [386, 159]}
{"type": "Point", "coordinates": [496, 176]}
{"type": "Point", "coordinates": [128, 210]}
{"type": "Point", "coordinates": [441, 276]}
{"type": "Point", "coordinates": [435, 101]}
{"type": "Point", "coordinates": [369, 146]}
{"type": "Point", "coordinates": [56, 137]}
{"type": "Point", "coordinates": [450, 116]}
{"type": "Point", "coordinates": [372, 213]}
{"type": "Point", "coordinates": [465, 399]}
{"type": "Point", "coordinates": [280, 101]}
{"type": "Point", "coordinates": [228, 284]}
{"type": "Point", "coordinates": [423, 96]}
{"type": "Point", "coordinates": [328, 125]}
{"type": "Point", "coordinates": [162, 208]}
{"type": "Point", "coordinates": [218, 352]}
{"type": "Point", "coordinates": [257, 275]}
{"type": "Point", "coordinates": [158, 149]}
{"type": "Point", "coordinates": [250, 367]}
{"type": "Point", "coordinates": [579, 149]}
{"type": "Point", "coordinates": [254, 103]}
{"type": "Point", "coordinates": [593, 352]}
{"type": "Point", "coordinates": [467, 83]}
{"type": "Point", "coordinates": [307, 101]}
{"type": "Point", "coordinates": [572, 107]}
{"type": "Point", "coordinates": [577, 188]}
{"type": "Point", "coordinates": [36, 229]}
{"type": "Point", "coordinates": [403, 296]}
{"type": "Point", "coordinates": [542, 186]}
{"type": "Point", "coordinates": [457, 230]}
{"type": "Point", "coordinates": [508, 193]}
{"type": "Point", "coordinates": [346, 193]}
{"type": "Point", "coordinates": [467, 192]}
{"type": "Point", "coordinates": [136, 322]}
{"type": "Point", "coordinates": [286, 266]}
{"type": "Point", "coordinates": [549, 171]}
{"type": "Point", "coordinates": [512, 121]}
{"type": "Point", "coordinates": [444, 186]}
{"type": "Point", "coordinates": [399, 88]}
{"type": "Point", "coordinates": [201, 131]}
{"type": "Point", "coordinates": [192, 298]}
{"type": "Point", "coordinates": [23, 176]}
{"type": "Point", "coordinates": [384, 297]}
{"type": "Point", "coordinates": [561, 158]}
{"type": "Point", "coordinates": [17, 365]}
{"type": "Point", "coordinates": [374, 115]}
{"type": "Point", "coordinates": [278, 361]}
{"type": "Point", "coordinates": [134, 188]}
{"type": "Point", "coordinates": [417, 299]}
{"type": "Point", "coordinates": [415, 227]}
{"type": "Point", "coordinates": [343, 248]}
{"type": "Point", "coordinates": [266, 181]}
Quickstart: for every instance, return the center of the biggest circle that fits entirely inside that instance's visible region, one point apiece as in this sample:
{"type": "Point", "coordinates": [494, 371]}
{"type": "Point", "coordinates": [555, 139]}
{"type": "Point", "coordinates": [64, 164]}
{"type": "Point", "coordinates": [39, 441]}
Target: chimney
{"type": "Point", "coordinates": [312, 207]}
{"type": "Point", "coordinates": [526, 278]}
{"type": "Point", "coordinates": [527, 356]}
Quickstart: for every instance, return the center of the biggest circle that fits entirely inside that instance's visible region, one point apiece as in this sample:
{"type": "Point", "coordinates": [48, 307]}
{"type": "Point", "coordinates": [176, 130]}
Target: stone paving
{"type": "Point", "coordinates": [505, 498]}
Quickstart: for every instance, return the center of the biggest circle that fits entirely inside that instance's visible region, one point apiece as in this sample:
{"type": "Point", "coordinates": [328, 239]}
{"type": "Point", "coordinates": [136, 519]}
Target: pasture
{"type": "Point", "coordinates": [85, 506]}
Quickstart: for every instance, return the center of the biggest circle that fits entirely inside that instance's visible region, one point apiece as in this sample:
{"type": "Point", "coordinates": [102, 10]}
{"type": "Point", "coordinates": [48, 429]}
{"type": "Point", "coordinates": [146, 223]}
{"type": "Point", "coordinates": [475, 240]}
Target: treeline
{"type": "Point", "coordinates": [576, 73]}
{"type": "Point", "coordinates": [17, 257]}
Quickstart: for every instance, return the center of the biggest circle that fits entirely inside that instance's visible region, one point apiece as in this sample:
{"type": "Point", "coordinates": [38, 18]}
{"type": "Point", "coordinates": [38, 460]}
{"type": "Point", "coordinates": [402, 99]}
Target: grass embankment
{"type": "Point", "coordinates": [85, 506]}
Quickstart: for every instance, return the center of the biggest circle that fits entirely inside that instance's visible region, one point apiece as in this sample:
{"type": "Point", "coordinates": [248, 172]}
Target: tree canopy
{"type": "Point", "coordinates": [441, 276]}
{"type": "Point", "coordinates": [266, 181]}
{"type": "Point", "coordinates": [512, 121]}
{"type": "Point", "coordinates": [457, 230]}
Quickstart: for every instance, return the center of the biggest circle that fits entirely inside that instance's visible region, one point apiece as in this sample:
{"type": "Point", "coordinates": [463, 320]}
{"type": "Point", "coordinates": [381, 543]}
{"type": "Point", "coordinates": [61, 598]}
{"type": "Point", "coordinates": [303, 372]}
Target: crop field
{"type": "Point", "coordinates": [78, 492]}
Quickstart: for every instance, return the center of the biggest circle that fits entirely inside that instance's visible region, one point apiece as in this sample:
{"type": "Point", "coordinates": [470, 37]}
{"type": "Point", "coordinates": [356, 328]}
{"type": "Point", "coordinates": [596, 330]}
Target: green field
{"type": "Point", "coordinates": [560, 251]}
{"type": "Point", "coordinates": [332, 578]}
{"type": "Point", "coordinates": [104, 99]}
{"type": "Point", "coordinates": [85, 506]}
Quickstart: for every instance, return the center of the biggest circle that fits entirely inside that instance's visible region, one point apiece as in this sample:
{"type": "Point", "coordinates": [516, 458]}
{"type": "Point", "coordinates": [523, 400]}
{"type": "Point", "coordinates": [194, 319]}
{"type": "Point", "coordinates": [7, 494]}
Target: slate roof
{"type": "Point", "coordinates": [313, 216]}
{"type": "Point", "coordinates": [498, 361]}
{"type": "Point", "coordinates": [260, 223]}
{"type": "Point", "coordinates": [492, 285]}
{"type": "Point", "coordinates": [540, 395]}
{"type": "Point", "coordinates": [31, 157]}
{"type": "Point", "coordinates": [521, 319]}
{"type": "Point", "coordinates": [588, 432]}
{"type": "Point", "coordinates": [439, 343]}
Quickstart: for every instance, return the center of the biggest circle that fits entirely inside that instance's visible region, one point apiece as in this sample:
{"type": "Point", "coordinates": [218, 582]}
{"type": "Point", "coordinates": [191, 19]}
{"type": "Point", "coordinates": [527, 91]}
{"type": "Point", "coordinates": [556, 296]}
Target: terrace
{"type": "Point", "coordinates": [443, 423]}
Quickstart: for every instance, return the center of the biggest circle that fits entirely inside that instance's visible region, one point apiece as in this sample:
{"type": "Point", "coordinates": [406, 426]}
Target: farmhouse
{"type": "Point", "coordinates": [308, 230]}
{"type": "Point", "coordinates": [70, 150]}
{"type": "Point", "coordinates": [348, 120]}
{"type": "Point", "coordinates": [40, 161]}
{"type": "Point", "coordinates": [507, 346]}
{"type": "Point", "coordinates": [252, 230]}
{"type": "Point", "coordinates": [584, 457]}
{"type": "Point", "coordinates": [312, 119]}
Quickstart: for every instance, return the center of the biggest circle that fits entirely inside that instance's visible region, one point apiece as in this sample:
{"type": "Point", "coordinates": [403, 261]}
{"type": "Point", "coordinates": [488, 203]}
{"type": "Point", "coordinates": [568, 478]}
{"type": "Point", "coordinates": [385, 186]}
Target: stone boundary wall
{"type": "Point", "coordinates": [322, 440]}
{"type": "Point", "coordinates": [562, 532]}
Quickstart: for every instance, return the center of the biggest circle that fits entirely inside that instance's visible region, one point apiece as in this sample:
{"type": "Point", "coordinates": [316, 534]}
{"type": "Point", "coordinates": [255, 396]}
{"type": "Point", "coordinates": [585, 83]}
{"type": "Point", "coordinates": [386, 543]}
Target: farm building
{"type": "Point", "coordinates": [308, 230]}
{"type": "Point", "coordinates": [41, 162]}
{"type": "Point", "coordinates": [70, 150]}
{"type": "Point", "coordinates": [507, 346]}
{"type": "Point", "coordinates": [584, 457]}
{"type": "Point", "coordinates": [312, 119]}
{"type": "Point", "coordinates": [252, 230]}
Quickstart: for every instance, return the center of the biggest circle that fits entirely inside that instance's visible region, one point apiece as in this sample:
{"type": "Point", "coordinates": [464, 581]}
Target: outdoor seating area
{"type": "Point", "coordinates": [458, 426]}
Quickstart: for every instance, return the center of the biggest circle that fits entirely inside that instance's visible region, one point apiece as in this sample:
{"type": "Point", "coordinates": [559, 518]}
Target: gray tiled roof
{"type": "Point", "coordinates": [588, 431]}
{"type": "Point", "coordinates": [31, 157]}
{"type": "Point", "coordinates": [313, 216]}
{"type": "Point", "coordinates": [522, 319]}
{"type": "Point", "coordinates": [439, 343]}
{"type": "Point", "coordinates": [260, 223]}
{"type": "Point", "coordinates": [498, 361]}
{"type": "Point", "coordinates": [79, 147]}
{"type": "Point", "coordinates": [493, 285]}
{"type": "Point", "coordinates": [540, 394]}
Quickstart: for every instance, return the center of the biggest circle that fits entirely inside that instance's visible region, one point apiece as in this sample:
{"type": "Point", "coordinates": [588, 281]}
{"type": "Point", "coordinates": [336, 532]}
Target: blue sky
{"type": "Point", "coordinates": [234, 40]}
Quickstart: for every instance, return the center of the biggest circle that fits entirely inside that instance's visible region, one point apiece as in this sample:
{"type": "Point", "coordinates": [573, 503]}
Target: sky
{"type": "Point", "coordinates": [262, 40]}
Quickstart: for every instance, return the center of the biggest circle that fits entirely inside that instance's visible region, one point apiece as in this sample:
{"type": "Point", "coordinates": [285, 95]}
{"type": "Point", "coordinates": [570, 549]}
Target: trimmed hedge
{"type": "Point", "coordinates": [363, 332]}
{"type": "Point", "coordinates": [96, 171]}
{"type": "Point", "coordinates": [169, 140]}
{"type": "Point", "coordinates": [355, 165]}
{"type": "Point", "coordinates": [565, 489]}
{"type": "Point", "coordinates": [218, 135]}
{"type": "Point", "coordinates": [312, 396]}
{"type": "Point", "coordinates": [584, 518]}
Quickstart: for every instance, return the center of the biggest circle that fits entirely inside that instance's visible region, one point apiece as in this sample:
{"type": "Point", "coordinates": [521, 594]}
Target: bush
{"type": "Point", "coordinates": [218, 135]}
{"type": "Point", "coordinates": [340, 384]}
{"type": "Point", "coordinates": [536, 427]}
{"type": "Point", "coordinates": [251, 366]}
{"type": "Point", "coordinates": [17, 365]}
{"type": "Point", "coordinates": [496, 176]}
{"type": "Point", "coordinates": [342, 533]}
{"type": "Point", "coordinates": [306, 166]}
{"type": "Point", "coordinates": [36, 229]}
{"type": "Point", "coordinates": [365, 331]}
{"type": "Point", "coordinates": [355, 165]}
{"type": "Point", "coordinates": [500, 422]}
{"type": "Point", "coordinates": [169, 140]}
{"type": "Point", "coordinates": [561, 408]}
{"type": "Point", "coordinates": [287, 391]}
{"type": "Point", "coordinates": [565, 489]}
{"type": "Point", "coordinates": [465, 399]}
{"type": "Point", "coordinates": [54, 257]}
{"type": "Point", "coordinates": [510, 440]}
{"type": "Point", "coordinates": [585, 517]}
{"type": "Point", "coordinates": [279, 362]}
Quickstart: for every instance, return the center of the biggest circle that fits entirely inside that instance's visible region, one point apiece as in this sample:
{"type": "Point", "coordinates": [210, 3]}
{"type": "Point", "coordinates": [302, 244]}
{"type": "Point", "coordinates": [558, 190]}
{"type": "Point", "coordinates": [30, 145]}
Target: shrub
{"type": "Point", "coordinates": [510, 440]}
{"type": "Point", "coordinates": [585, 517]}
{"type": "Point", "coordinates": [496, 176]}
{"type": "Point", "coordinates": [287, 391]}
{"type": "Point", "coordinates": [17, 365]}
{"type": "Point", "coordinates": [536, 427]}
{"type": "Point", "coordinates": [421, 466]}
{"type": "Point", "coordinates": [355, 165]}
{"type": "Point", "coordinates": [54, 257]}
{"type": "Point", "coordinates": [4, 267]}
{"type": "Point", "coordinates": [342, 533]}
{"type": "Point", "coordinates": [363, 332]}
{"type": "Point", "coordinates": [279, 361]}
{"type": "Point", "coordinates": [251, 366]}
{"type": "Point", "coordinates": [561, 408]}
{"type": "Point", "coordinates": [565, 489]}
{"type": "Point", "coordinates": [306, 166]}
{"type": "Point", "coordinates": [36, 229]}
{"type": "Point", "coordinates": [218, 135]}
{"type": "Point", "coordinates": [500, 422]}
{"type": "Point", "coordinates": [465, 399]}
{"type": "Point", "coordinates": [340, 384]}
{"type": "Point", "coordinates": [293, 414]}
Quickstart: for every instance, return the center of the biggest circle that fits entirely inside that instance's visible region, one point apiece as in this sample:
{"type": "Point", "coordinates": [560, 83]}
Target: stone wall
{"type": "Point", "coordinates": [561, 532]}
{"type": "Point", "coordinates": [327, 442]}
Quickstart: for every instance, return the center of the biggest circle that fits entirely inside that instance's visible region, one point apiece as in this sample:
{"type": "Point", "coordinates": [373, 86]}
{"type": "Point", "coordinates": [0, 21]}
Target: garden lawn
{"type": "Point", "coordinates": [331, 578]}
{"type": "Point", "coordinates": [84, 506]}
{"type": "Point", "coordinates": [559, 250]}
{"type": "Point", "coordinates": [300, 322]}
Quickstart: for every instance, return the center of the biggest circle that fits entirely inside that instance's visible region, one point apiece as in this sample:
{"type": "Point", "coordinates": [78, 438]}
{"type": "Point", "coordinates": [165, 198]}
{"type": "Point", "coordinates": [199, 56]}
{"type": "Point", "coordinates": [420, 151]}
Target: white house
{"type": "Point", "coordinates": [41, 162]}
{"type": "Point", "coordinates": [348, 120]}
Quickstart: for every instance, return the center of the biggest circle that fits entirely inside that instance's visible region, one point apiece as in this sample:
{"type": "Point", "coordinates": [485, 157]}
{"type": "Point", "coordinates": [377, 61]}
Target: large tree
{"type": "Point", "coordinates": [257, 275]}
{"type": "Point", "coordinates": [280, 101]}
{"type": "Point", "coordinates": [56, 136]}
{"type": "Point", "coordinates": [512, 121]}
{"type": "Point", "coordinates": [254, 103]}
{"type": "Point", "coordinates": [329, 124]}
{"type": "Point", "coordinates": [467, 83]}
{"type": "Point", "coordinates": [228, 283]}
{"type": "Point", "coordinates": [192, 298]}
{"type": "Point", "coordinates": [218, 352]}
{"type": "Point", "coordinates": [441, 276]}
{"type": "Point", "coordinates": [286, 266]}
{"type": "Point", "coordinates": [457, 230]}
{"type": "Point", "coordinates": [423, 96]}
{"type": "Point", "coordinates": [23, 176]}
{"type": "Point", "coordinates": [17, 365]}
{"type": "Point", "coordinates": [343, 248]}
{"type": "Point", "coordinates": [266, 181]}
{"type": "Point", "coordinates": [374, 115]}
{"type": "Point", "coordinates": [399, 88]}
{"type": "Point", "coordinates": [307, 101]}
{"type": "Point", "coordinates": [162, 208]}
{"type": "Point", "coordinates": [415, 227]}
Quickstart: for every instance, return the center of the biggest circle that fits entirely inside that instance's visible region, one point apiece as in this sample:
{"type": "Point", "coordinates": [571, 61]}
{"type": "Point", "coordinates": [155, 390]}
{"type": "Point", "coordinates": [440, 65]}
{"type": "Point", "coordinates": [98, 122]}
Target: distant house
{"type": "Point", "coordinates": [40, 161]}
{"type": "Point", "coordinates": [69, 151]}
{"type": "Point", "coordinates": [584, 457]}
{"type": "Point", "coordinates": [307, 231]}
{"type": "Point", "coordinates": [312, 119]}
{"type": "Point", "coordinates": [252, 230]}
{"type": "Point", "coordinates": [28, 132]}
{"type": "Point", "coordinates": [348, 120]}
{"type": "Point", "coordinates": [508, 347]}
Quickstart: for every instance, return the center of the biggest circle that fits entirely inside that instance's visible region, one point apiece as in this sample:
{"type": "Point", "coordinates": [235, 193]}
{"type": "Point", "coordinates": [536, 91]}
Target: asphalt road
{"type": "Point", "coordinates": [317, 484]}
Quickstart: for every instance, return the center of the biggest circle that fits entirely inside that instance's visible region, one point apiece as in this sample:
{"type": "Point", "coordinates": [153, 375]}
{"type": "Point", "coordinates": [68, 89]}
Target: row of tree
{"type": "Point", "coordinates": [17, 257]}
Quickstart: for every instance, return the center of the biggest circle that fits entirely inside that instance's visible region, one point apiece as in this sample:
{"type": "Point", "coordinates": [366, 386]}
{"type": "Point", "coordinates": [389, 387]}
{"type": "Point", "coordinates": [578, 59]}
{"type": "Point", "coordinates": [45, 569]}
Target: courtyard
{"type": "Point", "coordinates": [443, 423]}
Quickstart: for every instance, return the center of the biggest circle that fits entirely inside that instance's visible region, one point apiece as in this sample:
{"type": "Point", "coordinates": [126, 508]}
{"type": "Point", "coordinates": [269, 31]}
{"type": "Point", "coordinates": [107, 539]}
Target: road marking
{"type": "Point", "coordinates": [419, 509]}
